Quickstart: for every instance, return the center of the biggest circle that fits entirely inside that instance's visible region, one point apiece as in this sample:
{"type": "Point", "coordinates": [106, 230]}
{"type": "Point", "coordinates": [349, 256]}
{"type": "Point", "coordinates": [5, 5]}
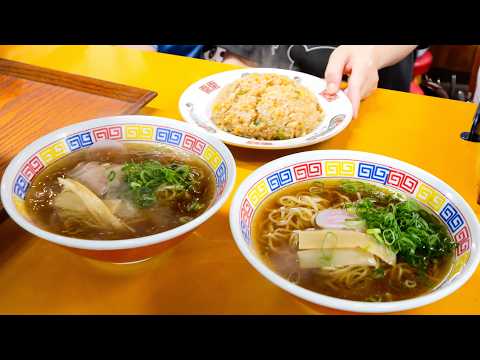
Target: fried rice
{"type": "Point", "coordinates": [266, 107]}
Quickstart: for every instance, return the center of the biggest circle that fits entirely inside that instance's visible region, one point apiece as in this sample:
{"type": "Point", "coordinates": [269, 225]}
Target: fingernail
{"type": "Point", "coordinates": [331, 88]}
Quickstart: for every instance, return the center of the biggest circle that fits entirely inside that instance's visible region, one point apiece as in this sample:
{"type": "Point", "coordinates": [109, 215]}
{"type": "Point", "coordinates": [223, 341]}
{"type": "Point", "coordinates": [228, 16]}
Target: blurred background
{"type": "Point", "coordinates": [448, 71]}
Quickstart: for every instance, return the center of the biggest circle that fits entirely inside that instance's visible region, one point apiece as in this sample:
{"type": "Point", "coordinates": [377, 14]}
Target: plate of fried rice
{"type": "Point", "coordinates": [265, 108]}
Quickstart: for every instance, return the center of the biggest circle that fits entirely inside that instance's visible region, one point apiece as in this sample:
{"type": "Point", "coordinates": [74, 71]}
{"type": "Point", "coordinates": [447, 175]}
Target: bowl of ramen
{"type": "Point", "coordinates": [355, 231]}
{"type": "Point", "coordinates": [265, 108]}
{"type": "Point", "coordinates": [119, 189]}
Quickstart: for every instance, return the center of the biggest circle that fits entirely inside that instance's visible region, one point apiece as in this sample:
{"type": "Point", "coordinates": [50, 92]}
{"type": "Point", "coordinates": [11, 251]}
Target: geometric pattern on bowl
{"type": "Point", "coordinates": [174, 137]}
{"type": "Point", "coordinates": [381, 174]}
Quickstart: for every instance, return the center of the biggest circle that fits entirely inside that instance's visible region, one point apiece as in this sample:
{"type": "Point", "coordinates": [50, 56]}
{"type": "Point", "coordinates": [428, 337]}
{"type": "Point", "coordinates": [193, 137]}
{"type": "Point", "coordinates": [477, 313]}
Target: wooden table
{"type": "Point", "coordinates": [206, 274]}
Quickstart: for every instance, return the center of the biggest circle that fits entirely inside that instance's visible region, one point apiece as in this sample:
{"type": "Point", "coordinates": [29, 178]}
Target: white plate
{"type": "Point", "coordinates": [196, 102]}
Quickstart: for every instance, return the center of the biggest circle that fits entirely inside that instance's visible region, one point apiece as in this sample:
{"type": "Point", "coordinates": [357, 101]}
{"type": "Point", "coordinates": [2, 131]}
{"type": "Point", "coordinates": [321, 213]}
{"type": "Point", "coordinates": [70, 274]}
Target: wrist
{"type": "Point", "coordinates": [378, 56]}
{"type": "Point", "coordinates": [387, 55]}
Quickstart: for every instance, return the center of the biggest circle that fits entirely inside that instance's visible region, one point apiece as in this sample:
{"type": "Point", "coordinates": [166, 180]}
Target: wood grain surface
{"type": "Point", "coordinates": [35, 101]}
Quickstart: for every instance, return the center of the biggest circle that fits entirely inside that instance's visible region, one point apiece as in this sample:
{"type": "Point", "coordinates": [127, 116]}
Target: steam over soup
{"type": "Point", "coordinates": [116, 191]}
{"type": "Point", "coordinates": [353, 240]}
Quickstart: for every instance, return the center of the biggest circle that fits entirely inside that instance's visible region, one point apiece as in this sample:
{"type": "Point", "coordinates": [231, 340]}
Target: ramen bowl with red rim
{"type": "Point", "coordinates": [270, 182]}
{"type": "Point", "coordinates": [29, 163]}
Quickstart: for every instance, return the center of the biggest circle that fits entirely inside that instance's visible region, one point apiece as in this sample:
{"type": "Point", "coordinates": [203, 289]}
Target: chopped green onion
{"type": "Point", "coordinates": [146, 177]}
{"type": "Point", "coordinates": [378, 273]}
{"type": "Point", "coordinates": [410, 231]}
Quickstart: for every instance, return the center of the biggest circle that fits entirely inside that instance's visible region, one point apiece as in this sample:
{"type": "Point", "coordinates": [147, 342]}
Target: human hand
{"type": "Point", "coordinates": [361, 63]}
{"type": "Point", "coordinates": [358, 62]}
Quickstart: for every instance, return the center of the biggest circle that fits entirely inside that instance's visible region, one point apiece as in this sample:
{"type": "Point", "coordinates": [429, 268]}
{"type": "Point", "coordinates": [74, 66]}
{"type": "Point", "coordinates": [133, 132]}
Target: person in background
{"type": "Point", "coordinates": [367, 66]}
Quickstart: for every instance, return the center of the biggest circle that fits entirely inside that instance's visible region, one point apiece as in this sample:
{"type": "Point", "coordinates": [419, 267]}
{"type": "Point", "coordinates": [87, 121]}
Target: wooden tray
{"type": "Point", "coordinates": [35, 101]}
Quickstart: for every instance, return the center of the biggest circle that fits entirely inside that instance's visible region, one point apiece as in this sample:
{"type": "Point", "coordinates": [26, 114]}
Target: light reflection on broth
{"type": "Point", "coordinates": [297, 207]}
{"type": "Point", "coordinates": [127, 214]}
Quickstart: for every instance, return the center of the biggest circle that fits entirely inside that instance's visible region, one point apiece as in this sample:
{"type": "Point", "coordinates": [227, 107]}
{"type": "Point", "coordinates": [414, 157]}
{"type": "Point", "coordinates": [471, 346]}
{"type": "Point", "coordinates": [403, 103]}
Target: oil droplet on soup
{"type": "Point", "coordinates": [321, 236]}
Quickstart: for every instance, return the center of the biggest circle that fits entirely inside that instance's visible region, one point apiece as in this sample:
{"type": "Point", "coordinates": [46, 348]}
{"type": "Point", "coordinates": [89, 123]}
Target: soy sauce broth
{"type": "Point", "coordinates": [284, 260]}
{"type": "Point", "coordinates": [156, 219]}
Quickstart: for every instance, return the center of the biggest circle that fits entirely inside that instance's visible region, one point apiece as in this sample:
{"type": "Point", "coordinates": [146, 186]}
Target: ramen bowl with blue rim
{"type": "Point", "coordinates": [23, 169]}
{"type": "Point", "coordinates": [409, 181]}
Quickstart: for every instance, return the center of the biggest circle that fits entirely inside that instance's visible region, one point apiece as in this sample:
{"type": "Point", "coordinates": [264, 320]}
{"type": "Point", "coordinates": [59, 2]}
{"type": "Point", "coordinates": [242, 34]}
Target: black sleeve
{"type": "Point", "coordinates": [399, 76]}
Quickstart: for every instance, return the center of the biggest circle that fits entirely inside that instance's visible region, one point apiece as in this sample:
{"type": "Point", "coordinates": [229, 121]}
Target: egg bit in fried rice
{"type": "Point", "coordinates": [266, 107]}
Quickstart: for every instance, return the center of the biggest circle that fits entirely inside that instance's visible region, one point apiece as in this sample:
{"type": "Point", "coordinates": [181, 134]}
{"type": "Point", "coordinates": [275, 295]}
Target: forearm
{"type": "Point", "coordinates": [387, 55]}
{"type": "Point", "coordinates": [230, 58]}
